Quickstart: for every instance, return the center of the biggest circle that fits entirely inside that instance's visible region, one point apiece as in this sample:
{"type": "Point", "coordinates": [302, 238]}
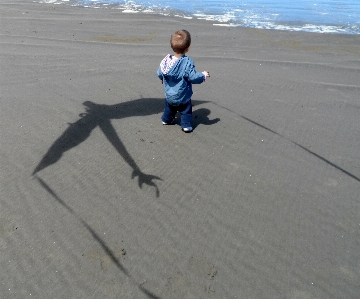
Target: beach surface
{"type": "Point", "coordinates": [99, 200]}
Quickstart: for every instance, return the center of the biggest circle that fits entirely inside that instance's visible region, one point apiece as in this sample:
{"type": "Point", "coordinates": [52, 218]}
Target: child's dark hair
{"type": "Point", "coordinates": [180, 41]}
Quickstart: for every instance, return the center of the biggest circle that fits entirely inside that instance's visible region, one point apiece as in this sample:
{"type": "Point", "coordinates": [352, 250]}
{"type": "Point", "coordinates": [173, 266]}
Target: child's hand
{"type": "Point", "coordinates": [206, 73]}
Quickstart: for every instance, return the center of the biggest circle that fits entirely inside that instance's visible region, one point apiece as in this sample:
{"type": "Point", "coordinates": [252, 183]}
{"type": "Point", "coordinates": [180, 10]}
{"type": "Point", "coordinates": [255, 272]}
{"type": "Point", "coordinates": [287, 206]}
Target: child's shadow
{"type": "Point", "coordinates": [201, 116]}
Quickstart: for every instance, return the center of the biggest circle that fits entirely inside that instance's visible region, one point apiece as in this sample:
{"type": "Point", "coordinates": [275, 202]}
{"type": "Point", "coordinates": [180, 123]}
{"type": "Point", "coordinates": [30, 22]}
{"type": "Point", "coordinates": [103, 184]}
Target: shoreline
{"type": "Point", "coordinates": [309, 26]}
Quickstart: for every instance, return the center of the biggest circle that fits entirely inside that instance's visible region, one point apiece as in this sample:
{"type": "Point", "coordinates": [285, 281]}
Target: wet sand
{"type": "Point", "coordinates": [99, 200]}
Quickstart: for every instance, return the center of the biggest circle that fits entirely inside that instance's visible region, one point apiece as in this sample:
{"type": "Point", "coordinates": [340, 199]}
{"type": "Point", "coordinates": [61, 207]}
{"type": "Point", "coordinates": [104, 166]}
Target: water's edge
{"type": "Point", "coordinates": [231, 17]}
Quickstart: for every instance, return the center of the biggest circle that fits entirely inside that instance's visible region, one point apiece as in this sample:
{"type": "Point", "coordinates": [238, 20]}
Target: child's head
{"type": "Point", "coordinates": [180, 41]}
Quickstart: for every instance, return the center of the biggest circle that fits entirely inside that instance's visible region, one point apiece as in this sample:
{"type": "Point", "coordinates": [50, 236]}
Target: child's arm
{"type": "Point", "coordinates": [196, 77]}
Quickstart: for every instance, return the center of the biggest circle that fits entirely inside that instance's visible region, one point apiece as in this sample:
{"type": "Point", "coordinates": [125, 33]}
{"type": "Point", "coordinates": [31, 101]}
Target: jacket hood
{"type": "Point", "coordinates": [170, 66]}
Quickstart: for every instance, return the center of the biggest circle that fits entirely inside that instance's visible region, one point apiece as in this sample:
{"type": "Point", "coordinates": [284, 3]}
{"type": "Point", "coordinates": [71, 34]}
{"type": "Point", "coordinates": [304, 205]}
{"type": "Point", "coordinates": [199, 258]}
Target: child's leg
{"type": "Point", "coordinates": [169, 113]}
{"type": "Point", "coordinates": [186, 115]}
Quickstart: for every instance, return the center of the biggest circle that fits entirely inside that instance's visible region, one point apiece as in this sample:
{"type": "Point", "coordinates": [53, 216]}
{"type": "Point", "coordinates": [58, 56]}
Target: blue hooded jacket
{"type": "Point", "coordinates": [178, 77]}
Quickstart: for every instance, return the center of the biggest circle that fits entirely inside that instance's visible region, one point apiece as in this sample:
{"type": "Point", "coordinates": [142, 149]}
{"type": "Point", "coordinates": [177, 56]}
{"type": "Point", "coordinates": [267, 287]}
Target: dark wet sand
{"type": "Point", "coordinates": [99, 200]}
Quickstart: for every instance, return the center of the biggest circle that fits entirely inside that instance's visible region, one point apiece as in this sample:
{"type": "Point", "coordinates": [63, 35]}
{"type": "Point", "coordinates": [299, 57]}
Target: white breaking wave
{"type": "Point", "coordinates": [226, 16]}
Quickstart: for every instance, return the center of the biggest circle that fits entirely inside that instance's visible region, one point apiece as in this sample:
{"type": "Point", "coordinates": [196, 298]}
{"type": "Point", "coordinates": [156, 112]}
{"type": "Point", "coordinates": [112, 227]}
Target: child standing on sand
{"type": "Point", "coordinates": [177, 73]}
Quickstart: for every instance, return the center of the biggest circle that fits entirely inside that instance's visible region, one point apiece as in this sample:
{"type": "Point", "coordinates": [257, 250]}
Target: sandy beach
{"type": "Point", "coordinates": [99, 200]}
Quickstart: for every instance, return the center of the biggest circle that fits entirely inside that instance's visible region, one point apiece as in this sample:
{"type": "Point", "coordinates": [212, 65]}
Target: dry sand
{"type": "Point", "coordinates": [260, 201]}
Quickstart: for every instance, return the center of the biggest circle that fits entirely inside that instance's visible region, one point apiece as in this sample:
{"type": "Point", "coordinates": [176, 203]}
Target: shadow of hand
{"type": "Point", "coordinates": [146, 179]}
{"type": "Point", "coordinates": [212, 121]}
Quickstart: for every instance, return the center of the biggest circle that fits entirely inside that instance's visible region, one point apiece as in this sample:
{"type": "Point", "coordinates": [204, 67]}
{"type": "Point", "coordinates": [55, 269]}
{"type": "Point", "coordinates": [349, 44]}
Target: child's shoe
{"type": "Point", "coordinates": [166, 124]}
{"type": "Point", "coordinates": [187, 130]}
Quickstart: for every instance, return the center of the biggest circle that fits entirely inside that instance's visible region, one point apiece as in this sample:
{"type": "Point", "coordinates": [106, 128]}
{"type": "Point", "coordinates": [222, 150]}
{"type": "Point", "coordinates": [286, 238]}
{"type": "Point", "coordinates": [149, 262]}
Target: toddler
{"type": "Point", "coordinates": [177, 73]}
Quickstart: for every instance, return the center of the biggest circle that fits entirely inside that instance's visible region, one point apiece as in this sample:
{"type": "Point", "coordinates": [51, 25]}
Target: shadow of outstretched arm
{"type": "Point", "coordinates": [110, 133]}
{"type": "Point", "coordinates": [75, 134]}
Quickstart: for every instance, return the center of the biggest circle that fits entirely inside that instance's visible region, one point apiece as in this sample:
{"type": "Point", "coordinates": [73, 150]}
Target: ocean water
{"type": "Point", "coordinates": [326, 16]}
